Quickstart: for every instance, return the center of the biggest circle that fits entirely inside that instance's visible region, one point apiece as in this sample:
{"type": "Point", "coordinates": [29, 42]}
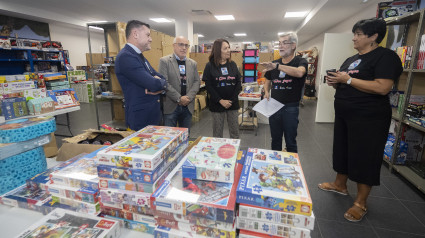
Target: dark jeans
{"type": "Point", "coordinates": [285, 123]}
{"type": "Point", "coordinates": [181, 115]}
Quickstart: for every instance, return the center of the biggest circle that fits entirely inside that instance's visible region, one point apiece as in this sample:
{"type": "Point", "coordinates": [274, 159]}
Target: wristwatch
{"type": "Point", "coordinates": [349, 81]}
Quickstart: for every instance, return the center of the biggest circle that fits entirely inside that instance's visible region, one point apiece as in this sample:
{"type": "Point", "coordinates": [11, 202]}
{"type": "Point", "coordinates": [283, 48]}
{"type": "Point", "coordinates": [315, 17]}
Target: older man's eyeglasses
{"type": "Point", "coordinates": [183, 45]}
{"type": "Point", "coordinates": [285, 42]}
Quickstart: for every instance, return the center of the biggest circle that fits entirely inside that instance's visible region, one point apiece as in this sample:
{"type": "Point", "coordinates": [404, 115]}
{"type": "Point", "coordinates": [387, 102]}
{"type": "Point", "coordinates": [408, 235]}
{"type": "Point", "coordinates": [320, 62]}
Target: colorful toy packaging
{"type": "Point", "coordinates": [196, 198]}
{"type": "Point", "coordinates": [274, 180]}
{"type": "Point", "coordinates": [65, 223]}
{"type": "Point", "coordinates": [212, 159]}
{"type": "Point", "coordinates": [145, 149]}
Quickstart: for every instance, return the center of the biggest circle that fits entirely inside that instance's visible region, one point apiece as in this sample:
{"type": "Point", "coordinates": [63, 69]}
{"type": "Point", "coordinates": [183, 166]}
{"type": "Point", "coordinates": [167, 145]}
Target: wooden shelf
{"type": "Point", "coordinates": [408, 173]}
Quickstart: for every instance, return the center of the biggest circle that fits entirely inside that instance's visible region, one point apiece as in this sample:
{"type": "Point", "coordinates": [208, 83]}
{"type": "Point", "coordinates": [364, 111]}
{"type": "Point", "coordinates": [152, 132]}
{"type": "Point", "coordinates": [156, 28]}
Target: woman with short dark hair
{"type": "Point", "coordinates": [362, 113]}
{"type": "Point", "coordinates": [223, 83]}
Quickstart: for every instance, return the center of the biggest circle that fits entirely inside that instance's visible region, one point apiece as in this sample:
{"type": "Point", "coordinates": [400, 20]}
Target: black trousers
{"type": "Point", "coordinates": [360, 134]}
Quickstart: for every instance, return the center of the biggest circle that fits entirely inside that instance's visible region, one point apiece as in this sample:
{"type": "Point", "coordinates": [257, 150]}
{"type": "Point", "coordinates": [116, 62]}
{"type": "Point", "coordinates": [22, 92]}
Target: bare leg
{"type": "Point", "coordinates": [363, 191]}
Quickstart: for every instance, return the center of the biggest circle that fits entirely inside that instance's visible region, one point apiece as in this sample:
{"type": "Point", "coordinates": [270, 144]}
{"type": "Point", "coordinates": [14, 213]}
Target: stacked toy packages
{"type": "Point", "coordinates": [22, 155]}
{"type": "Point", "coordinates": [63, 223]}
{"type": "Point", "coordinates": [131, 169]}
{"type": "Point", "coordinates": [273, 196]}
{"type": "Point", "coordinates": [198, 198]}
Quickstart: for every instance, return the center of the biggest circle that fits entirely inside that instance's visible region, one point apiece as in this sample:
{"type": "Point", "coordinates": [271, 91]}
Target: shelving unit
{"type": "Point", "coordinates": [412, 81]}
{"type": "Point", "coordinates": [114, 34]}
{"type": "Point", "coordinates": [15, 59]}
{"type": "Point", "coordinates": [310, 83]}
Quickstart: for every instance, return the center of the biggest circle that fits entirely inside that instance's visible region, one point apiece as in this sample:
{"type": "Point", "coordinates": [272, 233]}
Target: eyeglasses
{"type": "Point", "coordinates": [285, 43]}
{"type": "Point", "coordinates": [183, 45]}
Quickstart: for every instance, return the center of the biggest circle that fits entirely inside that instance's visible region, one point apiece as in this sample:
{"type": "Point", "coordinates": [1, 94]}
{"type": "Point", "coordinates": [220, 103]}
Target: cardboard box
{"type": "Point", "coordinates": [201, 102]}
{"type": "Point", "coordinates": [51, 149]}
{"type": "Point", "coordinates": [71, 147]}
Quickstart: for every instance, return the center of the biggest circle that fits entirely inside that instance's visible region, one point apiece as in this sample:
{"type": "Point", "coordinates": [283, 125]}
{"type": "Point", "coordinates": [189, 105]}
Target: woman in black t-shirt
{"type": "Point", "coordinates": [362, 113]}
{"type": "Point", "coordinates": [223, 84]}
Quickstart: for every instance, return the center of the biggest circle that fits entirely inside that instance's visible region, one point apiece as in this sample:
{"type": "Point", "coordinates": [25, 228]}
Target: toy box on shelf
{"type": "Point", "coordinates": [212, 159]}
{"type": "Point", "coordinates": [64, 98]}
{"type": "Point", "coordinates": [145, 149]}
{"type": "Point", "coordinates": [211, 200]}
{"type": "Point", "coordinates": [144, 225]}
{"type": "Point", "coordinates": [78, 206]}
{"type": "Point", "coordinates": [67, 223]}
{"type": "Point", "coordinates": [274, 180]}
{"type": "Point", "coordinates": [14, 107]}
{"type": "Point", "coordinates": [272, 228]}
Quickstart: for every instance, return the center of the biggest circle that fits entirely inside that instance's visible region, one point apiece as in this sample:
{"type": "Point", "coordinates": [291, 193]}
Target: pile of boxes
{"type": "Point", "coordinates": [273, 196]}
{"type": "Point", "coordinates": [21, 152]}
{"type": "Point", "coordinates": [198, 197]}
{"type": "Point", "coordinates": [130, 170]}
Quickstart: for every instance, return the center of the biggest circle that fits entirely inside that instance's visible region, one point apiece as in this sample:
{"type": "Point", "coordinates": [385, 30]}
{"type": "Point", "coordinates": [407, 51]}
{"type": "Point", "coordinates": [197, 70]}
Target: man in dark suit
{"type": "Point", "coordinates": [182, 84]}
{"type": "Point", "coordinates": [140, 83]}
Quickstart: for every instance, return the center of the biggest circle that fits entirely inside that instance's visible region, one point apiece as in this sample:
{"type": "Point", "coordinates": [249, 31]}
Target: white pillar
{"type": "Point", "coordinates": [184, 27]}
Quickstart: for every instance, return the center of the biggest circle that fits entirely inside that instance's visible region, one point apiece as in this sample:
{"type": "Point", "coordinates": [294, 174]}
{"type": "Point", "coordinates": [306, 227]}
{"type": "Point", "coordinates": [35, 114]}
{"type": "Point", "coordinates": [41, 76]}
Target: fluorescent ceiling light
{"type": "Point", "coordinates": [97, 28]}
{"type": "Point", "coordinates": [240, 34]}
{"type": "Point", "coordinates": [224, 17]}
{"type": "Point", "coordinates": [200, 35]}
{"type": "Point", "coordinates": [160, 20]}
{"type": "Point", "coordinates": [280, 33]}
{"type": "Point", "coordinates": [98, 22]}
{"type": "Point", "coordinates": [247, 42]}
{"type": "Point", "coordinates": [295, 14]}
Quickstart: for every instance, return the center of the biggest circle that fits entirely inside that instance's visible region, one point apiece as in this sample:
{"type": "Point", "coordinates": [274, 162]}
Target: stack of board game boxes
{"type": "Point", "coordinates": [273, 196]}
{"type": "Point", "coordinates": [198, 198]}
{"type": "Point", "coordinates": [71, 185]}
{"type": "Point", "coordinates": [63, 223]}
{"type": "Point", "coordinates": [131, 169]}
{"type": "Point", "coordinates": [21, 152]}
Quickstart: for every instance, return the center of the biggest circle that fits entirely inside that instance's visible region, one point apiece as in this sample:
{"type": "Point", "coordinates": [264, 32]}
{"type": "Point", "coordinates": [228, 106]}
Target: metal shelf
{"type": "Point", "coordinates": [54, 113]}
{"type": "Point", "coordinates": [14, 60]}
{"type": "Point", "coordinates": [414, 125]}
{"type": "Point", "coordinates": [408, 173]}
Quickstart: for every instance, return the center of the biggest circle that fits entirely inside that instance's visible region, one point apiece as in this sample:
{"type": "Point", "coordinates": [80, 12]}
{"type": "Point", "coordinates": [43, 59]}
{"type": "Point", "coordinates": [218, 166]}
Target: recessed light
{"type": "Point", "coordinates": [240, 34]}
{"type": "Point", "coordinates": [295, 14]}
{"type": "Point", "coordinates": [247, 42]}
{"type": "Point", "coordinates": [160, 20]}
{"type": "Point", "coordinates": [365, 1]}
{"type": "Point", "coordinates": [224, 17]}
{"type": "Point", "coordinates": [280, 33]}
{"type": "Point", "coordinates": [200, 35]}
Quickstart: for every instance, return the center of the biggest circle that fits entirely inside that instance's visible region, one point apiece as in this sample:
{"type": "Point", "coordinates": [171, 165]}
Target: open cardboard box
{"type": "Point", "coordinates": [71, 147]}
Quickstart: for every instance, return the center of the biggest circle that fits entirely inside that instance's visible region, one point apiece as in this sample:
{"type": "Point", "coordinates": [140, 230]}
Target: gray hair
{"type": "Point", "coordinates": [292, 37]}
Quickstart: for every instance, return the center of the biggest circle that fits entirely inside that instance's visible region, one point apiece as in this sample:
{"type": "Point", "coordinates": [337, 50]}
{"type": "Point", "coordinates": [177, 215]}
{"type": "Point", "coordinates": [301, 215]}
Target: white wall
{"type": "Point", "coordinates": [75, 40]}
{"type": "Point", "coordinates": [343, 27]}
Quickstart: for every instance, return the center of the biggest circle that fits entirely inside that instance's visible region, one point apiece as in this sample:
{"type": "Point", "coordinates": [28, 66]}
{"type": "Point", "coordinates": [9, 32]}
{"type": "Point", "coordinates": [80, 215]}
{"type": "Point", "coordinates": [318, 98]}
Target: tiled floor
{"type": "Point", "coordinates": [396, 208]}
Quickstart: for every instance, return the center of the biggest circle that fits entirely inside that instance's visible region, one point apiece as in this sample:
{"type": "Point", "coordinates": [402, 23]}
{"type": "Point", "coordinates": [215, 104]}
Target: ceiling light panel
{"type": "Point", "coordinates": [160, 20]}
{"type": "Point", "coordinates": [225, 17]}
{"type": "Point", "coordinates": [295, 14]}
{"type": "Point", "coordinates": [239, 34]}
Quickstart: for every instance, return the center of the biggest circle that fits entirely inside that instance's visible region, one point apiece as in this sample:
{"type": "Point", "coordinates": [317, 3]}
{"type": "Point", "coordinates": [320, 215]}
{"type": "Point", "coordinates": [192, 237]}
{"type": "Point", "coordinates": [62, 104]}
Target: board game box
{"type": "Point", "coordinates": [195, 229]}
{"type": "Point", "coordinates": [277, 184]}
{"type": "Point", "coordinates": [115, 198]}
{"type": "Point", "coordinates": [147, 226]}
{"type": "Point", "coordinates": [147, 177]}
{"type": "Point", "coordinates": [212, 159]}
{"type": "Point", "coordinates": [195, 220]}
{"type": "Point", "coordinates": [165, 232]}
{"type": "Point", "coordinates": [85, 194]}
{"type": "Point", "coordinates": [142, 150]}
{"type": "Point", "coordinates": [119, 212]}
{"type": "Point", "coordinates": [80, 174]}
{"type": "Point", "coordinates": [78, 206]}
{"type": "Point", "coordinates": [194, 199]}
{"type": "Point", "coordinates": [63, 223]}
{"type": "Point", "coordinates": [272, 228]}
{"type": "Point", "coordinates": [269, 215]}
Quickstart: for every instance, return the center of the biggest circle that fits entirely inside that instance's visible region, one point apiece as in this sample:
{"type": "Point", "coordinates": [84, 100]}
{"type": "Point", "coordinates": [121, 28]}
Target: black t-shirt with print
{"type": "Point", "coordinates": [183, 82]}
{"type": "Point", "coordinates": [379, 63]}
{"type": "Point", "coordinates": [286, 88]}
{"type": "Point", "coordinates": [222, 82]}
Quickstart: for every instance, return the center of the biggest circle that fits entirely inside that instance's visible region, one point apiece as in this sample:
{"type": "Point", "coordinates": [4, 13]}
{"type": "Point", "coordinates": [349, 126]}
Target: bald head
{"type": "Point", "coordinates": [181, 45]}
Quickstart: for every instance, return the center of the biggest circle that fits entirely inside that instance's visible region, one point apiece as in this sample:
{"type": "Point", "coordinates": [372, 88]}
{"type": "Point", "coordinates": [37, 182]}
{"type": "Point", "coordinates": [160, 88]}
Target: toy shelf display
{"type": "Point", "coordinates": [250, 63]}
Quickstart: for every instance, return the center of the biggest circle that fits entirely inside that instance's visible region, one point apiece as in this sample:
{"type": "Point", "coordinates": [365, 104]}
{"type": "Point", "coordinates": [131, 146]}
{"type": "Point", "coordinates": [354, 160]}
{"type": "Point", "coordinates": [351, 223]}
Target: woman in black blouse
{"type": "Point", "coordinates": [362, 113]}
{"type": "Point", "coordinates": [223, 84]}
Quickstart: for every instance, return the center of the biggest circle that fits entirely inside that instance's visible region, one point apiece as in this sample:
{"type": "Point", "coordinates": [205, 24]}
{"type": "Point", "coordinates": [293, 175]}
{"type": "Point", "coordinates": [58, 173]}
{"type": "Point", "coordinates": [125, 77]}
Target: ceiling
{"type": "Point", "coordinates": [260, 20]}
